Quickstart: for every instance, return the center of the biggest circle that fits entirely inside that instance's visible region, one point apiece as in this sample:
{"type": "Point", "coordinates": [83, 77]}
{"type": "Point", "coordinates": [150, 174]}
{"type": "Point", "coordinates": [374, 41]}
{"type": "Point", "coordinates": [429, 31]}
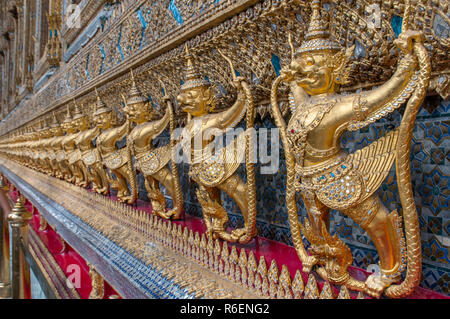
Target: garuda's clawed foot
{"type": "Point", "coordinates": [83, 184]}
{"type": "Point", "coordinates": [162, 214]}
{"type": "Point", "coordinates": [309, 263]}
{"type": "Point", "coordinates": [174, 213]}
{"type": "Point", "coordinates": [121, 194]}
{"type": "Point", "coordinates": [103, 191]}
{"type": "Point", "coordinates": [129, 199]}
{"type": "Point", "coordinates": [376, 284]}
{"type": "Point", "coordinates": [240, 235]}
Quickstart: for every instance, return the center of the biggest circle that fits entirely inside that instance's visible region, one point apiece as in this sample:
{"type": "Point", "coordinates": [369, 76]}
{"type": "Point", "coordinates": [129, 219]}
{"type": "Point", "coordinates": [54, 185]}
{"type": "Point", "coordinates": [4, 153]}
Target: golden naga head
{"type": "Point", "coordinates": [137, 106]}
{"type": "Point", "coordinates": [319, 65]}
{"type": "Point", "coordinates": [104, 116]}
{"type": "Point", "coordinates": [196, 97]}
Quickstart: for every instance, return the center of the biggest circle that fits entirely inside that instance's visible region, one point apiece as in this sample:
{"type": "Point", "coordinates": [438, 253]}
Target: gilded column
{"type": "Point", "coordinates": [54, 46]}
{"type": "Point", "coordinates": [28, 56]}
{"type": "Point", "coordinates": [19, 46]}
{"type": "Point", "coordinates": [5, 280]}
{"type": "Point", "coordinates": [19, 220]}
{"type": "Point", "coordinates": [98, 284]}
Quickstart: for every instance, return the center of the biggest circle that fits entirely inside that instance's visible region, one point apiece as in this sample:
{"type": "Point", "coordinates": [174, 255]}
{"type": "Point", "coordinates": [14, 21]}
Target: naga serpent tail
{"type": "Point", "coordinates": [412, 228]}
{"type": "Point", "coordinates": [290, 179]}
{"type": "Point", "coordinates": [131, 171]}
{"type": "Point", "coordinates": [178, 200]}
{"type": "Point", "coordinates": [250, 168]}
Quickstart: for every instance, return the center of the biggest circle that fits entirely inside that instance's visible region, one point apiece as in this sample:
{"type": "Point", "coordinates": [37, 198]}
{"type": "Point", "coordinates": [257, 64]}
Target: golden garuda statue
{"type": "Point", "coordinates": [92, 160]}
{"type": "Point", "coordinates": [64, 172]}
{"type": "Point", "coordinates": [328, 178]}
{"type": "Point", "coordinates": [24, 149]}
{"type": "Point", "coordinates": [67, 147]}
{"type": "Point", "coordinates": [56, 133]}
{"type": "Point", "coordinates": [46, 149]}
{"type": "Point", "coordinates": [117, 160]}
{"type": "Point", "coordinates": [75, 127]}
{"type": "Point", "coordinates": [215, 173]}
{"type": "Point", "coordinates": [40, 148]}
{"type": "Point", "coordinates": [153, 162]}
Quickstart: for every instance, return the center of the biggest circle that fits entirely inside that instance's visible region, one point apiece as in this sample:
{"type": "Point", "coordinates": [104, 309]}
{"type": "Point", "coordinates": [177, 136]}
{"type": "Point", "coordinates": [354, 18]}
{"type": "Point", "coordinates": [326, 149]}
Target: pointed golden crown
{"type": "Point", "coordinates": [55, 122]}
{"type": "Point", "coordinates": [100, 107]}
{"type": "Point", "coordinates": [44, 125]}
{"type": "Point", "coordinates": [135, 95]}
{"type": "Point", "coordinates": [318, 36]}
{"type": "Point", "coordinates": [68, 117]}
{"type": "Point", "coordinates": [193, 78]}
{"type": "Point", "coordinates": [77, 113]}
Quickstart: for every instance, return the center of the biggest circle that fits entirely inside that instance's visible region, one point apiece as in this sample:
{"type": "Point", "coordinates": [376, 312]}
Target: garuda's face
{"type": "Point", "coordinates": [80, 124]}
{"type": "Point", "coordinates": [56, 131]}
{"type": "Point", "coordinates": [45, 134]}
{"type": "Point", "coordinates": [67, 127]}
{"type": "Point", "coordinates": [103, 120]}
{"type": "Point", "coordinates": [137, 112]}
{"type": "Point", "coordinates": [314, 73]}
{"type": "Point", "coordinates": [195, 101]}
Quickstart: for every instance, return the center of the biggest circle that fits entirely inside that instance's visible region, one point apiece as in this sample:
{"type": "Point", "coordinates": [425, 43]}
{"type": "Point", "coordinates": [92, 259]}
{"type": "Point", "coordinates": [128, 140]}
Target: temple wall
{"type": "Point", "coordinates": [149, 36]}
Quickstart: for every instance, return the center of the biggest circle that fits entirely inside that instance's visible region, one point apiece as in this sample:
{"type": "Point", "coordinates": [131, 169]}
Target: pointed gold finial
{"type": "Point", "coordinates": [135, 95]}
{"type": "Point", "coordinates": [68, 117]}
{"type": "Point", "coordinates": [252, 265]}
{"type": "Point", "coordinates": [273, 271]}
{"type": "Point", "coordinates": [285, 277]}
{"type": "Point", "coordinates": [19, 216]}
{"type": "Point", "coordinates": [100, 107]}
{"type": "Point", "coordinates": [262, 266]}
{"type": "Point", "coordinates": [327, 292]}
{"type": "Point", "coordinates": [234, 255]}
{"type": "Point", "coordinates": [311, 289]}
{"type": "Point", "coordinates": [343, 293]}
{"type": "Point", "coordinates": [54, 121]}
{"type": "Point", "coordinates": [77, 112]}
{"type": "Point", "coordinates": [318, 37]}
{"type": "Point", "coordinates": [193, 78]}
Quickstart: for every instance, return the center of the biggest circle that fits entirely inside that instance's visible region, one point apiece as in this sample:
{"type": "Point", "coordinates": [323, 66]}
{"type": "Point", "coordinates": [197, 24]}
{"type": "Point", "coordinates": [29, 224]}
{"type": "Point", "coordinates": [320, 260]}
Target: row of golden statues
{"type": "Point", "coordinates": [318, 170]}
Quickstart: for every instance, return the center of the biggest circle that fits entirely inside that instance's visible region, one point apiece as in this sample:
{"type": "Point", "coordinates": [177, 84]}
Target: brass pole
{"type": "Point", "coordinates": [19, 220]}
{"type": "Point", "coordinates": [5, 276]}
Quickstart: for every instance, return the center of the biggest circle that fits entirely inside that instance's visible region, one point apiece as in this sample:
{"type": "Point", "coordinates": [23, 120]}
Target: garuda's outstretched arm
{"type": "Point", "coordinates": [234, 114]}
{"type": "Point", "coordinates": [121, 131]}
{"type": "Point", "coordinates": [375, 104]}
{"type": "Point", "coordinates": [153, 129]}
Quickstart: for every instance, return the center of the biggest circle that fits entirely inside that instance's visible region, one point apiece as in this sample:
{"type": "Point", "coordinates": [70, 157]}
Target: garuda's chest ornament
{"type": "Point", "coordinates": [328, 178]}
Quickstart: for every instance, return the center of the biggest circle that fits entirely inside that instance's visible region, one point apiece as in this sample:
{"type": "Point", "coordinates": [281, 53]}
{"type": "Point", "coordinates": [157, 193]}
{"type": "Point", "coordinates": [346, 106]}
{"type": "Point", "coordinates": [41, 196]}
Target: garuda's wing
{"type": "Point", "coordinates": [374, 162]}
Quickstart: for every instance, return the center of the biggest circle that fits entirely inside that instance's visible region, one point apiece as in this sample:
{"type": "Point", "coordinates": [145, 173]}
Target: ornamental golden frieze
{"type": "Point", "coordinates": [265, 24]}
